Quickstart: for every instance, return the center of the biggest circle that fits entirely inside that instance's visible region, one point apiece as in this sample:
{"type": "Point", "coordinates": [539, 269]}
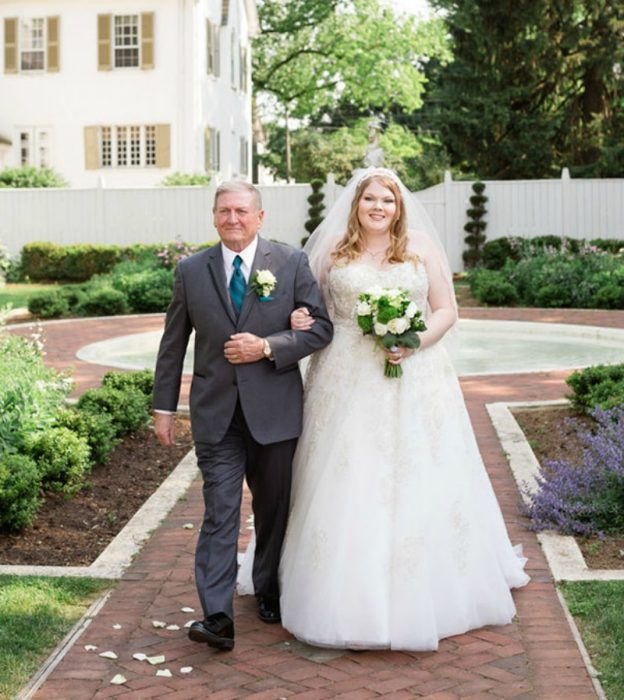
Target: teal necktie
{"type": "Point", "coordinates": [238, 286]}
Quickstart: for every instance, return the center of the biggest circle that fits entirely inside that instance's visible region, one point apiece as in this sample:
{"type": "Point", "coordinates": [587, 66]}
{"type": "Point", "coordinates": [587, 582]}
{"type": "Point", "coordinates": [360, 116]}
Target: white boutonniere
{"type": "Point", "coordinates": [263, 283]}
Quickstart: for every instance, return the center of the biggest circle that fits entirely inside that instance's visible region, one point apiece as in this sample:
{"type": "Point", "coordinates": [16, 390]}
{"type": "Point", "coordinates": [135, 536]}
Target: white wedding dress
{"type": "Point", "coordinates": [395, 538]}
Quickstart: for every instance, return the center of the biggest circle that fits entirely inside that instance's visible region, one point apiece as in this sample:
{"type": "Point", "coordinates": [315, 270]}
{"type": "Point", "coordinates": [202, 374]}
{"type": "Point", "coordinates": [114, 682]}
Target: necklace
{"type": "Point", "coordinates": [375, 253]}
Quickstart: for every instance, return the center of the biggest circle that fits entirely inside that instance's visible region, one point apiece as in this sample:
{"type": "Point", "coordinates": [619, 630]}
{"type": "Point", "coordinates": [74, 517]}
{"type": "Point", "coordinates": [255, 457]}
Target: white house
{"type": "Point", "coordinates": [126, 92]}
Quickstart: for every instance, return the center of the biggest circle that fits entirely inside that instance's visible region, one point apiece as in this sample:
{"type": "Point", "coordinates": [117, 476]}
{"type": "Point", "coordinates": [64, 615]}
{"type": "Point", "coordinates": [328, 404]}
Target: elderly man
{"type": "Point", "coordinates": [246, 395]}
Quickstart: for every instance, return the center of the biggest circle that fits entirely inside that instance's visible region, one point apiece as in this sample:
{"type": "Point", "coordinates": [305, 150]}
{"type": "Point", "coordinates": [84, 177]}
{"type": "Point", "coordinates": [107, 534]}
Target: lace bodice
{"type": "Point", "coordinates": [346, 282]}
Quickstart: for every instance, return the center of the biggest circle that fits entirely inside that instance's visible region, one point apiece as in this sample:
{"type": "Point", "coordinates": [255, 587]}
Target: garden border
{"type": "Point", "coordinates": [118, 555]}
{"type": "Point", "coordinates": [562, 552]}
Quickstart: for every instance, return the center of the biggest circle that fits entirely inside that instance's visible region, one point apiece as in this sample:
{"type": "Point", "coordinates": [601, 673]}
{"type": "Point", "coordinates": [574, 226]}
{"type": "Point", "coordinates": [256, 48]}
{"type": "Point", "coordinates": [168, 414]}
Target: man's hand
{"type": "Point", "coordinates": [242, 348]}
{"type": "Point", "coordinates": [164, 427]}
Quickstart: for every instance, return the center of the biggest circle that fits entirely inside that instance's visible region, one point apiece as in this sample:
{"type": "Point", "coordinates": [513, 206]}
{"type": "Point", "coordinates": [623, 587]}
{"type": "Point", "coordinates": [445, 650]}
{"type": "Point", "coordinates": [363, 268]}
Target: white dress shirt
{"type": "Point", "coordinates": [247, 254]}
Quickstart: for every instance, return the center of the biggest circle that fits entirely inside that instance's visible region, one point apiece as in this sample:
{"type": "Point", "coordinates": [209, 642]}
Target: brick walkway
{"type": "Point", "coordinates": [535, 657]}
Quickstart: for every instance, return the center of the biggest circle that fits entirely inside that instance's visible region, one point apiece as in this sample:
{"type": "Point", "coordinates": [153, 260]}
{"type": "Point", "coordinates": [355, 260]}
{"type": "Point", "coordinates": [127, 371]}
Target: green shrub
{"type": "Point", "coordinates": [147, 291]}
{"type": "Point", "coordinates": [600, 386]}
{"type": "Point", "coordinates": [97, 429]}
{"type": "Point", "coordinates": [28, 176]}
{"type": "Point", "coordinates": [608, 289]}
{"type": "Point", "coordinates": [143, 380]}
{"type": "Point", "coordinates": [103, 301]}
{"type": "Point", "coordinates": [490, 287]}
{"type": "Point", "coordinates": [62, 457]}
{"type": "Point", "coordinates": [497, 251]}
{"type": "Point", "coordinates": [185, 179]}
{"type": "Point", "coordinates": [49, 304]}
{"type": "Point", "coordinates": [610, 245]}
{"type": "Point", "coordinates": [129, 408]}
{"type": "Point", "coordinates": [20, 483]}
{"type": "Point", "coordinates": [30, 393]}
{"type": "Point", "coordinates": [42, 261]}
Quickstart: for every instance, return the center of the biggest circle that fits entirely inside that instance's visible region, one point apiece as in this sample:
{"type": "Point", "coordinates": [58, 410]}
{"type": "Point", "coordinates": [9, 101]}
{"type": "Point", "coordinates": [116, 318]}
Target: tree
{"type": "Point", "coordinates": [313, 54]}
{"type": "Point", "coordinates": [418, 158]}
{"type": "Point", "coordinates": [533, 86]}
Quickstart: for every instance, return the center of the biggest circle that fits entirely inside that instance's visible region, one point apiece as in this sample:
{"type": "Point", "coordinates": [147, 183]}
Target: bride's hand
{"type": "Point", "coordinates": [300, 319]}
{"type": "Point", "coordinates": [396, 355]}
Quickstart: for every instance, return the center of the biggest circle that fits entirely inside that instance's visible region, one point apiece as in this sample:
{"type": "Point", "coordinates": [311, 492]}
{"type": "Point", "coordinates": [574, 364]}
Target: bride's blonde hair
{"type": "Point", "coordinates": [352, 244]}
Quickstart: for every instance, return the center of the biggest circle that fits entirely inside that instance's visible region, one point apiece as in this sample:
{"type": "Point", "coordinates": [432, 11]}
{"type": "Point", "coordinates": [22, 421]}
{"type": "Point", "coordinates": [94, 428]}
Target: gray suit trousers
{"type": "Point", "coordinates": [268, 470]}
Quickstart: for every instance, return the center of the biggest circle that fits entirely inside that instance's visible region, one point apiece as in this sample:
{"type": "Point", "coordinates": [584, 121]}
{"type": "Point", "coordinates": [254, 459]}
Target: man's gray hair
{"type": "Point", "coordinates": [238, 186]}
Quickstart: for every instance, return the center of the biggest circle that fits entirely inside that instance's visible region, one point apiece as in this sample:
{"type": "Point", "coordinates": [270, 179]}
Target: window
{"type": "Point", "coordinates": [244, 156]}
{"type": "Point", "coordinates": [127, 146]}
{"type": "Point", "coordinates": [212, 150]}
{"type": "Point", "coordinates": [32, 44]}
{"type": "Point", "coordinates": [126, 41]}
{"type": "Point", "coordinates": [34, 145]}
{"type": "Point", "coordinates": [244, 86]}
{"type": "Point", "coordinates": [213, 49]}
{"type": "Point", "coordinates": [233, 52]}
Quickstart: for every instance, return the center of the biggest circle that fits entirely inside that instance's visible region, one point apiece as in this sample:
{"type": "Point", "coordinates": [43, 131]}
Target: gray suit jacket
{"type": "Point", "coordinates": [270, 392]}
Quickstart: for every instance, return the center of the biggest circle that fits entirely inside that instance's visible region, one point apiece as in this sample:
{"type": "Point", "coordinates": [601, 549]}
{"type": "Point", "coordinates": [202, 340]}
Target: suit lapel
{"type": "Point", "coordinates": [215, 267]}
{"type": "Point", "coordinates": [262, 260]}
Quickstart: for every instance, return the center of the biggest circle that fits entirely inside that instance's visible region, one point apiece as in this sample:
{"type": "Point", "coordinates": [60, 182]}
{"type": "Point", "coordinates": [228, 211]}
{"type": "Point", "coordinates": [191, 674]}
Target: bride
{"type": "Point", "coordinates": [395, 538]}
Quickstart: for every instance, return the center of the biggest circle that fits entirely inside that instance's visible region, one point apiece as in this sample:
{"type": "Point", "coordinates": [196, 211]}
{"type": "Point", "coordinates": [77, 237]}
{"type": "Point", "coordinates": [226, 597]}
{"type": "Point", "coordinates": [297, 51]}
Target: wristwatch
{"type": "Point", "coordinates": [266, 349]}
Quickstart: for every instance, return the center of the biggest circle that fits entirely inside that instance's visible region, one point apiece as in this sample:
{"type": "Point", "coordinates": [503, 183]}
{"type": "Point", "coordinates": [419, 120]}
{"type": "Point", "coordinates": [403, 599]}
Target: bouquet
{"type": "Point", "coordinates": [392, 318]}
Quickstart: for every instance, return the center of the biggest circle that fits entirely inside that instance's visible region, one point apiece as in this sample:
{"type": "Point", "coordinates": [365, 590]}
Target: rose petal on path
{"type": "Point", "coordinates": [172, 627]}
{"type": "Point", "coordinates": [158, 623]}
{"type": "Point", "coordinates": [90, 647]}
{"type": "Point", "coordinates": [186, 609]}
{"type": "Point", "coordinates": [109, 655]}
{"type": "Point", "coordinates": [139, 656]}
{"type": "Point", "coordinates": [164, 672]}
{"type": "Point", "coordinates": [186, 669]}
{"type": "Point", "coordinates": [118, 679]}
{"type": "Point", "coordinates": [189, 623]}
{"type": "Point", "coordinates": [156, 660]}
{"type": "Point", "coordinates": [117, 626]}
{"type": "Point", "coordinates": [188, 526]}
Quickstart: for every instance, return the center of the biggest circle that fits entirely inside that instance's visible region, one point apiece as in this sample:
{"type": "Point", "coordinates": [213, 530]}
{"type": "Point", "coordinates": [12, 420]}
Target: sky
{"type": "Point", "coordinates": [415, 7]}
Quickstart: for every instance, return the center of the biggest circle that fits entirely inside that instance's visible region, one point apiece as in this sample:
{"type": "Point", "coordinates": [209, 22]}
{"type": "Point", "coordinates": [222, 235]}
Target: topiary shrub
{"type": "Point", "coordinates": [315, 210]}
{"type": "Point", "coordinates": [599, 386]}
{"type": "Point", "coordinates": [103, 301]}
{"type": "Point", "coordinates": [97, 429]}
{"type": "Point", "coordinates": [63, 458]}
{"type": "Point", "coordinates": [142, 380]}
{"type": "Point", "coordinates": [49, 304]}
{"type": "Point", "coordinates": [20, 484]}
{"type": "Point", "coordinates": [129, 408]}
{"type": "Point", "coordinates": [476, 226]}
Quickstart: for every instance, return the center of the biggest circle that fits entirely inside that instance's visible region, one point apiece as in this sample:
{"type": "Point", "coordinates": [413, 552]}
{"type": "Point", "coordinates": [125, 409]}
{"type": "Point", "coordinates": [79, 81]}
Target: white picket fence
{"type": "Point", "coordinates": [576, 208]}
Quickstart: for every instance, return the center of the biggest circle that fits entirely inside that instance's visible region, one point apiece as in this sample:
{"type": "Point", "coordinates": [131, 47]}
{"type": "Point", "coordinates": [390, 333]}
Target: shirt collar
{"type": "Point", "coordinates": [247, 254]}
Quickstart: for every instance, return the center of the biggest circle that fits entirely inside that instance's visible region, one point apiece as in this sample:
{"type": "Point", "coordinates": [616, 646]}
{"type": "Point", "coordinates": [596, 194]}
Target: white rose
{"type": "Point", "coordinates": [411, 310]}
{"type": "Point", "coordinates": [380, 329]}
{"type": "Point", "coordinates": [266, 278]}
{"type": "Point", "coordinates": [363, 308]}
{"type": "Point", "coordinates": [398, 325]}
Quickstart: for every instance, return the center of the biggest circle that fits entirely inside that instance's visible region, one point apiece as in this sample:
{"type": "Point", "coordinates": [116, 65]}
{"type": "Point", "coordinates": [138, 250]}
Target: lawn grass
{"type": "Point", "coordinates": [598, 609]}
{"type": "Point", "coordinates": [17, 295]}
{"type": "Point", "coordinates": [36, 612]}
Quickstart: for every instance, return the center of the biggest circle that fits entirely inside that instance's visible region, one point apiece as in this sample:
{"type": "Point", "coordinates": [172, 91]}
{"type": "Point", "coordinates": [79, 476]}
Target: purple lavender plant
{"type": "Point", "coordinates": [585, 498]}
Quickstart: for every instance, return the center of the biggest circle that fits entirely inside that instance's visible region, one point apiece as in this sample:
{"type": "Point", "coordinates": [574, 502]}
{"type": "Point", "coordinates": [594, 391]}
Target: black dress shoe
{"type": "Point", "coordinates": [216, 631]}
{"type": "Point", "coordinates": [268, 609]}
